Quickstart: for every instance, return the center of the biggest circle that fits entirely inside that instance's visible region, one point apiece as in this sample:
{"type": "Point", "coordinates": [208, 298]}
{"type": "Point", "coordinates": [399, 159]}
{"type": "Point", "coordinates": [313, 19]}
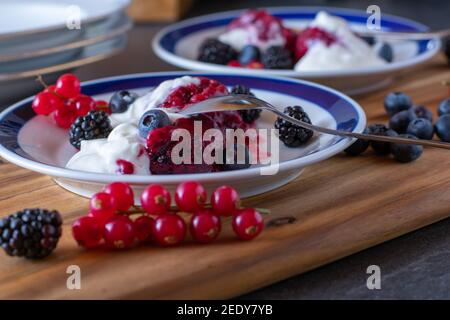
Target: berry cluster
{"type": "Point", "coordinates": [406, 120]}
{"type": "Point", "coordinates": [65, 102]}
{"type": "Point", "coordinates": [114, 220]}
{"type": "Point", "coordinates": [30, 233]}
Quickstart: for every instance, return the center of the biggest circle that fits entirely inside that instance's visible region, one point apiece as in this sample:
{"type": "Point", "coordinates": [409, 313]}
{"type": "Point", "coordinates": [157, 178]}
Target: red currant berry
{"type": "Point", "coordinates": [102, 206]}
{"type": "Point", "coordinates": [122, 195]}
{"type": "Point", "coordinates": [205, 226]}
{"type": "Point", "coordinates": [64, 117]}
{"type": "Point", "coordinates": [190, 196]}
{"type": "Point", "coordinates": [45, 103]}
{"type": "Point", "coordinates": [234, 63]}
{"type": "Point", "coordinates": [68, 86]}
{"type": "Point", "coordinates": [143, 228]}
{"type": "Point", "coordinates": [124, 167]}
{"type": "Point", "coordinates": [225, 201]}
{"type": "Point", "coordinates": [119, 232]}
{"type": "Point", "coordinates": [255, 65]}
{"type": "Point", "coordinates": [155, 199]}
{"type": "Point", "coordinates": [247, 223]}
{"type": "Point", "coordinates": [84, 104]}
{"type": "Point", "coordinates": [169, 229]}
{"type": "Point", "coordinates": [87, 231]}
{"type": "Point", "coordinates": [50, 88]}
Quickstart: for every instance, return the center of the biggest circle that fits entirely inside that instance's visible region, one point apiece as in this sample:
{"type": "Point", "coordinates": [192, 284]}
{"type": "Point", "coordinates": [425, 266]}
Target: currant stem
{"type": "Point", "coordinates": [41, 81]}
{"type": "Point", "coordinates": [138, 210]}
{"type": "Point", "coordinates": [45, 85]}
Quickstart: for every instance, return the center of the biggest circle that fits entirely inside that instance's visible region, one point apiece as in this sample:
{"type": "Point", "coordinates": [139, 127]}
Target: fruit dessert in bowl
{"type": "Point", "coordinates": [321, 44]}
{"type": "Point", "coordinates": [125, 129]}
{"type": "Point", "coordinates": [258, 40]}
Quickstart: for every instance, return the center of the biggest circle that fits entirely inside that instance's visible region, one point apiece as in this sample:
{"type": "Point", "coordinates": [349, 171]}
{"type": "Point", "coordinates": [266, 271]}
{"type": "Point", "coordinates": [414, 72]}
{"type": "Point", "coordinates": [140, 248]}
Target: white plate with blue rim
{"type": "Point", "coordinates": [178, 45]}
{"type": "Point", "coordinates": [35, 143]}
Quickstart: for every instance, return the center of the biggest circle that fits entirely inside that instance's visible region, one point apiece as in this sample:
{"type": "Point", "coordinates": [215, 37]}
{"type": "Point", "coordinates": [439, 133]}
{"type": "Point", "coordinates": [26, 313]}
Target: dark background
{"type": "Point", "coordinates": [435, 13]}
{"type": "Point", "coordinates": [415, 266]}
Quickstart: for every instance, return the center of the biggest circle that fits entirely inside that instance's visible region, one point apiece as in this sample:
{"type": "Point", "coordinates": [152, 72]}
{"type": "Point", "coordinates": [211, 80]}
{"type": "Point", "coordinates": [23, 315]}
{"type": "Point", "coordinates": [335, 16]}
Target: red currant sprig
{"type": "Point", "coordinates": [112, 216]}
{"type": "Point", "coordinates": [64, 101]}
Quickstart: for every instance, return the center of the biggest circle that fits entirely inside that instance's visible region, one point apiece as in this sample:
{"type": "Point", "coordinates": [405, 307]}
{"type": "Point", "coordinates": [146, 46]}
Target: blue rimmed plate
{"type": "Point", "coordinates": [35, 143]}
{"type": "Point", "coordinates": [178, 45]}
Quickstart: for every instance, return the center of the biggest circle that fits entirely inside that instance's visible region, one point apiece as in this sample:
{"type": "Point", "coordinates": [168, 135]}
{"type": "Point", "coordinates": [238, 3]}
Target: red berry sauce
{"type": "Point", "coordinates": [159, 142]}
{"type": "Point", "coordinates": [310, 35]}
{"type": "Point", "coordinates": [124, 167]}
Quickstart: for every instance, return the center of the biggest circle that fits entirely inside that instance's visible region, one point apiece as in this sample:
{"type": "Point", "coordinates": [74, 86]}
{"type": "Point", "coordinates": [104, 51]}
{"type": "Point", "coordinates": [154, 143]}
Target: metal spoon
{"type": "Point", "coordinates": [241, 102]}
{"type": "Point", "coordinates": [405, 35]}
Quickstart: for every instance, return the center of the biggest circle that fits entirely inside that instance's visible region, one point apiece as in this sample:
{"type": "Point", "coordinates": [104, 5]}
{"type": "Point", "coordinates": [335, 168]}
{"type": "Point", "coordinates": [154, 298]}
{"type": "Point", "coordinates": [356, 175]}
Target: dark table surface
{"type": "Point", "coordinates": [415, 266]}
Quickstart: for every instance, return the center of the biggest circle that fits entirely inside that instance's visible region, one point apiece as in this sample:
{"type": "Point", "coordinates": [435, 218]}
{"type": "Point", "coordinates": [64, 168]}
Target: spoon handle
{"type": "Point", "coordinates": [363, 136]}
{"type": "Point", "coordinates": [405, 35]}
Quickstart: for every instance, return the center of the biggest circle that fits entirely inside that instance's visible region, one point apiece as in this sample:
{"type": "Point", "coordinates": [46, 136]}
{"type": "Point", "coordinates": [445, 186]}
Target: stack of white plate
{"type": "Point", "coordinates": [51, 37]}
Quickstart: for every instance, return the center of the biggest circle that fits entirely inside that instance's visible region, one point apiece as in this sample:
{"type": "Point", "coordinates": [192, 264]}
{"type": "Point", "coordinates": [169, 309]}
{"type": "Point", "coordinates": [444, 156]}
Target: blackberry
{"type": "Point", "coordinates": [291, 134]}
{"type": "Point", "coordinates": [249, 116]}
{"type": "Point", "coordinates": [30, 233]}
{"type": "Point", "coordinates": [94, 125]}
{"type": "Point", "coordinates": [215, 51]}
{"type": "Point", "coordinates": [277, 57]}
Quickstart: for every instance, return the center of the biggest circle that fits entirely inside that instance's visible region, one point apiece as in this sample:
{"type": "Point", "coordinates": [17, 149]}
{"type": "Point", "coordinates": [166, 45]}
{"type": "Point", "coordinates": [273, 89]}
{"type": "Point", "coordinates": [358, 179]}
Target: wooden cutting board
{"type": "Point", "coordinates": [341, 206]}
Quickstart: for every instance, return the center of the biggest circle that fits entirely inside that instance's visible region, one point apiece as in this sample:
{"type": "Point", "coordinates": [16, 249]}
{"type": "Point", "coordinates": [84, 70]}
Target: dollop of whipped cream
{"type": "Point", "coordinates": [349, 51]}
{"type": "Point", "coordinates": [254, 27]}
{"type": "Point", "coordinates": [152, 100]}
{"type": "Point", "coordinates": [101, 155]}
{"type": "Point", "coordinates": [238, 38]}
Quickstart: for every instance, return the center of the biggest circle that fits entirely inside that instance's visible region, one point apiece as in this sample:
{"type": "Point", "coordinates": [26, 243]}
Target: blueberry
{"type": "Point", "coordinates": [152, 119]}
{"type": "Point", "coordinates": [381, 148]}
{"type": "Point", "coordinates": [369, 40]}
{"type": "Point", "coordinates": [442, 127]}
{"type": "Point", "coordinates": [406, 152]}
{"type": "Point", "coordinates": [444, 107]}
{"type": "Point", "coordinates": [423, 112]}
{"type": "Point", "coordinates": [358, 147]}
{"type": "Point", "coordinates": [400, 121]}
{"type": "Point", "coordinates": [248, 54]}
{"type": "Point", "coordinates": [421, 128]}
{"type": "Point", "coordinates": [386, 52]}
{"type": "Point", "coordinates": [395, 102]}
{"type": "Point", "coordinates": [121, 100]}
{"type": "Point", "coordinates": [446, 47]}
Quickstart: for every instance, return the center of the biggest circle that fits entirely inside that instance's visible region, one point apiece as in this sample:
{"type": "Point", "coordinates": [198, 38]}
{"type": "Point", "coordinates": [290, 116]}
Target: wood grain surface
{"type": "Point", "coordinates": [341, 206]}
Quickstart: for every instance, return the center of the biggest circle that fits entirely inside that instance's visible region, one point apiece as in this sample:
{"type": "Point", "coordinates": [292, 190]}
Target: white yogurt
{"type": "Point", "coordinates": [349, 51]}
{"type": "Point", "coordinates": [152, 100]}
{"type": "Point", "coordinates": [101, 155]}
{"type": "Point", "coordinates": [238, 38]}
